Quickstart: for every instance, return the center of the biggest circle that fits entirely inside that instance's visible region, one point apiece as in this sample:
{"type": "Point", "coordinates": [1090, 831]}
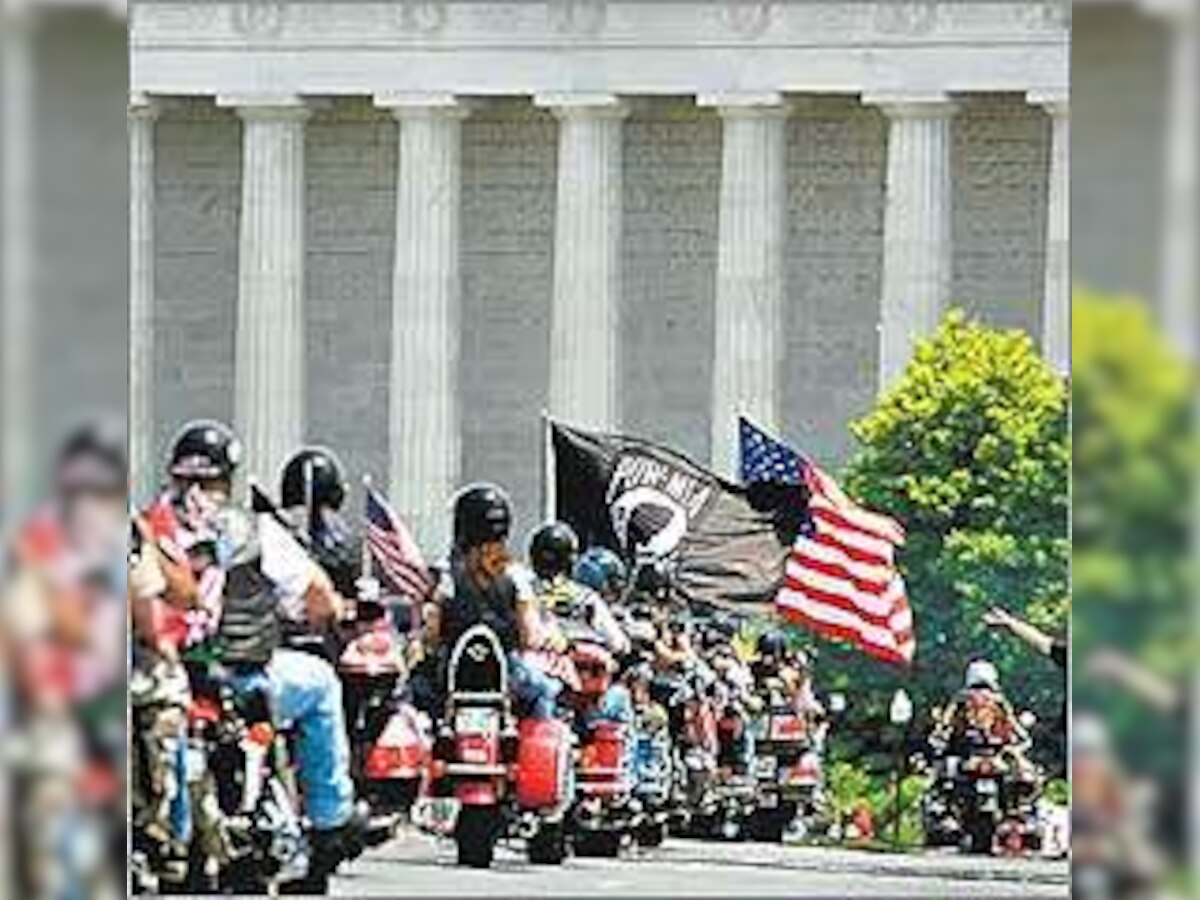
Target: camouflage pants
{"type": "Point", "coordinates": [173, 796]}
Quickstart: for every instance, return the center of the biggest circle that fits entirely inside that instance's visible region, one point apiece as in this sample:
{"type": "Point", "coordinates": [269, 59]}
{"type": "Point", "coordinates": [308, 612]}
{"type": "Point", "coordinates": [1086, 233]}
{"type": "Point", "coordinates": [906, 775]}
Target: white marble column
{"type": "Point", "coordinates": [1056, 287]}
{"type": "Point", "coordinates": [1178, 286]}
{"type": "Point", "coordinates": [17, 302]}
{"type": "Point", "coordinates": [142, 113]}
{"type": "Point", "coordinates": [916, 225]}
{"type": "Point", "coordinates": [423, 422]}
{"type": "Point", "coordinates": [587, 259]}
{"type": "Point", "coordinates": [269, 361]}
{"type": "Point", "coordinates": [750, 280]}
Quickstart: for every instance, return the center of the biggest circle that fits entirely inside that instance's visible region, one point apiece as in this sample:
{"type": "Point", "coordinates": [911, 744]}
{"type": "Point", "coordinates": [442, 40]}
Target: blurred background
{"type": "Point", "coordinates": [1133, 109]}
{"type": "Point", "coordinates": [64, 352]}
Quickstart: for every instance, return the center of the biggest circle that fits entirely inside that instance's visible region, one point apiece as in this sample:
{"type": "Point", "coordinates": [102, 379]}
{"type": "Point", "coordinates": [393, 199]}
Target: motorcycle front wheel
{"type": "Point", "coordinates": [475, 836]}
{"type": "Point", "coordinates": [549, 846]}
{"type": "Point", "coordinates": [652, 835]}
{"type": "Point", "coordinates": [605, 844]}
{"type": "Point", "coordinates": [980, 835]}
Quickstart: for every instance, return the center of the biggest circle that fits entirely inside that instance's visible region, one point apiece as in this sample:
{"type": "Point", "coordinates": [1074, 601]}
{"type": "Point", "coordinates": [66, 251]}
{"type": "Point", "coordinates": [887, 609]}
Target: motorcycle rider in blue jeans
{"type": "Point", "coordinates": [198, 535]}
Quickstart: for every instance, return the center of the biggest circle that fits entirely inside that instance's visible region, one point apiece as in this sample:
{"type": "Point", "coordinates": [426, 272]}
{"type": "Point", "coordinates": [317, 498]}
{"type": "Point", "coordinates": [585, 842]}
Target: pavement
{"type": "Point", "coordinates": [416, 865]}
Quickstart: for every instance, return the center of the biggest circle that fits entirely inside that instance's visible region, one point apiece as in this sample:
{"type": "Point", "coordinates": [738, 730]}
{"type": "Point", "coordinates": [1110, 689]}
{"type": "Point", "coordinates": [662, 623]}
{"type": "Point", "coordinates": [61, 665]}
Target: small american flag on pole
{"type": "Point", "coordinates": [840, 578]}
{"type": "Point", "coordinates": [395, 550]}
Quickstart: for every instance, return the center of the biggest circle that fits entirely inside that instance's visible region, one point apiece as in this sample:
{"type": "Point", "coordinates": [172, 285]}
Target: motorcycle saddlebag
{"type": "Point", "coordinates": [402, 750]}
{"type": "Point", "coordinates": [603, 767]}
{"type": "Point", "coordinates": [543, 763]}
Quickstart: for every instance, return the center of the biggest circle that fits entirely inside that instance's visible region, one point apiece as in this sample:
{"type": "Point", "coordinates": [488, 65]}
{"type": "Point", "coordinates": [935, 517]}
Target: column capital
{"type": "Point", "coordinates": [143, 106]}
{"type": "Point", "coordinates": [912, 104]}
{"type": "Point", "coordinates": [1056, 103]}
{"type": "Point", "coordinates": [405, 105]}
{"type": "Point", "coordinates": [583, 105]}
{"type": "Point", "coordinates": [266, 106]}
{"type": "Point", "coordinates": [760, 104]}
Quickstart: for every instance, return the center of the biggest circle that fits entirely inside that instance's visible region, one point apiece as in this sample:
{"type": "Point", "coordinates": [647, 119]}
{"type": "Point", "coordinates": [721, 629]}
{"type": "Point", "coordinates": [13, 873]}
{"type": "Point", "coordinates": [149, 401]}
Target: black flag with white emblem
{"type": "Point", "coordinates": [727, 543]}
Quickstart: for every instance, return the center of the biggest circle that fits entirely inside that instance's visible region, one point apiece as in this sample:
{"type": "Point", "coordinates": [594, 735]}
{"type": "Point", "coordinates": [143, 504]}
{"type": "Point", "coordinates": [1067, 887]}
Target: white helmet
{"type": "Point", "coordinates": [1089, 735]}
{"type": "Point", "coordinates": [982, 674]}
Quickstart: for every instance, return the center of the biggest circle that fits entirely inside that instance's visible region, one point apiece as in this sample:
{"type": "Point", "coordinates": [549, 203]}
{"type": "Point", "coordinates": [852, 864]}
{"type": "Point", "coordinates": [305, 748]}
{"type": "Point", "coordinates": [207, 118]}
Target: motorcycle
{"type": "Point", "coordinates": [717, 799]}
{"type": "Point", "coordinates": [787, 768]}
{"type": "Point", "coordinates": [493, 776]}
{"type": "Point", "coordinates": [606, 808]}
{"type": "Point", "coordinates": [391, 743]}
{"type": "Point", "coordinates": [234, 743]}
{"type": "Point", "coordinates": [984, 798]}
{"type": "Point", "coordinates": [653, 783]}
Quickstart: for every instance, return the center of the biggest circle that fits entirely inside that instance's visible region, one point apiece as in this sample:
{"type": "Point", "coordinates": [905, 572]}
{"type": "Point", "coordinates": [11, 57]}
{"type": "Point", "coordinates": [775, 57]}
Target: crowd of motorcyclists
{"type": "Point", "coordinates": [289, 708]}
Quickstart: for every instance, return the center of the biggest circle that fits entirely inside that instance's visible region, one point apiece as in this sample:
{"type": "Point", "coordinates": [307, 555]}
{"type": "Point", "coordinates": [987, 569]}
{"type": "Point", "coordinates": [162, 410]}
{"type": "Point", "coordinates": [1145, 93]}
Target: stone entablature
{"type": "Point", "coordinates": [704, 46]}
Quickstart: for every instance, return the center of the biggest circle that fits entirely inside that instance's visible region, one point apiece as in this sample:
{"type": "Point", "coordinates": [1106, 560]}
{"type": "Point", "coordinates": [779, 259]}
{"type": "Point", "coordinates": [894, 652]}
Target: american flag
{"type": "Point", "coordinates": [394, 549]}
{"type": "Point", "coordinates": [840, 578]}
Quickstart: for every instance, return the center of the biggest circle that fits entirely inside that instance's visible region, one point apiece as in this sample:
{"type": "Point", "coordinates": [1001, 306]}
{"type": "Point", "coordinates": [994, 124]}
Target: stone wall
{"type": "Point", "coordinates": [835, 168]}
{"type": "Point", "coordinates": [509, 157]}
{"type": "Point", "coordinates": [197, 196]}
{"type": "Point", "coordinates": [837, 156]}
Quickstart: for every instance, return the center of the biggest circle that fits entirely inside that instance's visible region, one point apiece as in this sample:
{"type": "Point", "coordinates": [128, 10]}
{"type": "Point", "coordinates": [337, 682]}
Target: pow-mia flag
{"type": "Point", "coordinates": [727, 543]}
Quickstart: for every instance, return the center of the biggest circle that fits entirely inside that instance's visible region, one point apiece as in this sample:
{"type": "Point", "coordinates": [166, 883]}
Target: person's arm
{"type": "Point", "coordinates": [997, 617]}
{"type": "Point", "coordinates": [1116, 667]}
{"type": "Point", "coordinates": [531, 634]}
{"type": "Point", "coordinates": [323, 605]}
{"type": "Point", "coordinates": [606, 623]}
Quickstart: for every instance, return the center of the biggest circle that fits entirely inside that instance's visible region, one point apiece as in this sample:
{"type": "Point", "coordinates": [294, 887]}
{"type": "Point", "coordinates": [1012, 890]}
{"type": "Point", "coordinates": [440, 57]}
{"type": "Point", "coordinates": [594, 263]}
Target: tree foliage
{"type": "Point", "coordinates": [969, 450]}
{"type": "Point", "coordinates": [1134, 457]}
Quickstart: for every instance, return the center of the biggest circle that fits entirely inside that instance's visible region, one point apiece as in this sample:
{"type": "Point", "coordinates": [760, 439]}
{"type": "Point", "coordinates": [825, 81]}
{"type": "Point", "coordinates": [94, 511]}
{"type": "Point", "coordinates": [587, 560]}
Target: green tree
{"type": "Point", "coordinates": [969, 451]}
{"type": "Point", "coordinates": [1134, 457]}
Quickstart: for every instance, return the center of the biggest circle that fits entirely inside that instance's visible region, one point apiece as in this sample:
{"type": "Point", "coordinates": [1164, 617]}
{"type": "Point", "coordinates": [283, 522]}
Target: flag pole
{"type": "Point", "coordinates": [549, 501]}
{"type": "Point", "coordinates": [365, 546]}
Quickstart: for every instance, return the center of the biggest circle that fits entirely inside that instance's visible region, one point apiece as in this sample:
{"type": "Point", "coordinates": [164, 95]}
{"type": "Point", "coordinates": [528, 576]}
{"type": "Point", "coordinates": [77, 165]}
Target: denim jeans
{"type": "Point", "coordinates": [308, 696]}
{"type": "Point", "coordinates": [536, 691]}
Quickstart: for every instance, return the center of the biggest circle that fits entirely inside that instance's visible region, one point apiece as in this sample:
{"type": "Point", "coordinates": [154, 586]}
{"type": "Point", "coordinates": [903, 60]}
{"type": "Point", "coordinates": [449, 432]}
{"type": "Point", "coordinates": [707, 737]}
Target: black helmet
{"type": "Point", "coordinates": [92, 458]}
{"type": "Point", "coordinates": [553, 550]}
{"type": "Point", "coordinates": [312, 476]}
{"type": "Point", "coordinates": [205, 450]}
{"type": "Point", "coordinates": [482, 513]}
{"type": "Point", "coordinates": [773, 644]}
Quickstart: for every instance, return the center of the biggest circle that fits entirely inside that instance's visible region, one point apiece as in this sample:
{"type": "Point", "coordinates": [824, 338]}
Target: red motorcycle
{"type": "Point", "coordinates": [606, 809]}
{"type": "Point", "coordinates": [494, 776]}
{"type": "Point", "coordinates": [787, 767]}
{"type": "Point", "coordinates": [391, 742]}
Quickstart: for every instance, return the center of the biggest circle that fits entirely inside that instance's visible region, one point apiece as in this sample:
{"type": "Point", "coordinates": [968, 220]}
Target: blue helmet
{"type": "Point", "coordinates": [602, 570]}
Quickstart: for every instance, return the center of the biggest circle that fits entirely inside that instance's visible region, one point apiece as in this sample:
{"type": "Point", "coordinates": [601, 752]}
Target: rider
{"type": "Point", "coordinates": [553, 552]}
{"type": "Point", "coordinates": [604, 572]}
{"type": "Point", "coordinates": [481, 584]}
{"type": "Point", "coordinates": [212, 563]}
{"type": "Point", "coordinates": [980, 714]}
{"type": "Point", "coordinates": [61, 631]}
{"type": "Point", "coordinates": [771, 655]}
{"type": "Point", "coordinates": [312, 490]}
